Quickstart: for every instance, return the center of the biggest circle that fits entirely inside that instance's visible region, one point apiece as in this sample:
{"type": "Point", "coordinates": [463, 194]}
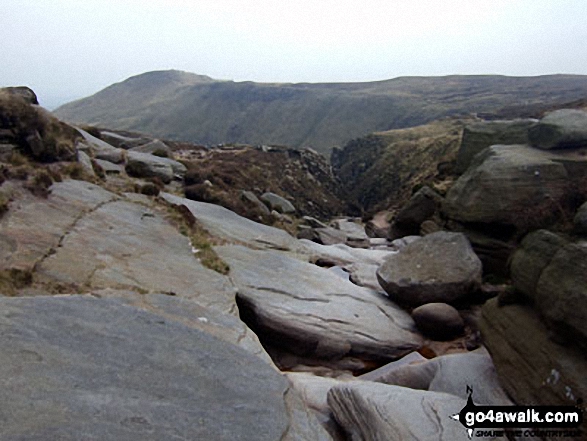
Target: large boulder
{"type": "Point", "coordinates": [24, 92]}
{"type": "Point", "coordinates": [84, 368]}
{"type": "Point", "coordinates": [278, 203]}
{"type": "Point", "coordinates": [310, 311]}
{"type": "Point", "coordinates": [480, 135]}
{"type": "Point", "coordinates": [517, 187]}
{"type": "Point", "coordinates": [375, 412]}
{"type": "Point", "coordinates": [145, 165]}
{"type": "Point", "coordinates": [564, 128]}
{"type": "Point", "coordinates": [440, 267]}
{"type": "Point", "coordinates": [532, 368]}
{"type": "Point", "coordinates": [155, 146]}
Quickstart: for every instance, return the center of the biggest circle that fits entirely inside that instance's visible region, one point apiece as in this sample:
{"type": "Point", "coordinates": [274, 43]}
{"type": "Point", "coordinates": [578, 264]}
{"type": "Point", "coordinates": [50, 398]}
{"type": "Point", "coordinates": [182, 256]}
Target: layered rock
{"type": "Point", "coordinates": [440, 267]}
{"type": "Point", "coordinates": [310, 311]}
{"type": "Point", "coordinates": [564, 128]}
{"type": "Point", "coordinates": [483, 134]}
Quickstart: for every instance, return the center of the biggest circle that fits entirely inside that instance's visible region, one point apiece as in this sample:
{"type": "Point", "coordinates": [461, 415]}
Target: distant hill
{"type": "Point", "coordinates": [184, 106]}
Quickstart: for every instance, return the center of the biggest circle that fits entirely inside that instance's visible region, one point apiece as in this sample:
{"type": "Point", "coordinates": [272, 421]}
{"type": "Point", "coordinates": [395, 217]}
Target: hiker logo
{"type": "Point", "coordinates": [550, 421]}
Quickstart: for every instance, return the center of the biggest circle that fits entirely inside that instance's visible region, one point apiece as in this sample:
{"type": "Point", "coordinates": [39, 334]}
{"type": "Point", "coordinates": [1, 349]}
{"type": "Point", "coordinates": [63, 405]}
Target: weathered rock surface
{"type": "Point", "coordinates": [190, 313]}
{"type": "Point", "coordinates": [25, 240]}
{"type": "Point", "coordinates": [229, 226]}
{"type": "Point", "coordinates": [341, 254]}
{"type": "Point", "coordinates": [124, 245]}
{"type": "Point", "coordinates": [24, 92]}
{"type": "Point", "coordinates": [145, 165]}
{"type": "Point", "coordinates": [324, 235]}
{"type": "Point", "coordinates": [370, 411]}
{"type": "Point", "coordinates": [310, 311]}
{"type": "Point", "coordinates": [252, 199]}
{"type": "Point", "coordinates": [564, 128]}
{"type": "Point", "coordinates": [152, 147]}
{"type": "Point", "coordinates": [86, 162]}
{"type": "Point", "coordinates": [85, 368]}
{"type": "Point", "coordinates": [480, 135]}
{"type": "Point", "coordinates": [440, 267]}
{"type": "Point", "coordinates": [100, 149]}
{"type": "Point", "coordinates": [532, 369]}
{"type": "Point", "coordinates": [517, 186]}
{"type": "Point", "coordinates": [438, 321]}
{"type": "Point", "coordinates": [450, 374]}
{"type": "Point", "coordinates": [278, 203]}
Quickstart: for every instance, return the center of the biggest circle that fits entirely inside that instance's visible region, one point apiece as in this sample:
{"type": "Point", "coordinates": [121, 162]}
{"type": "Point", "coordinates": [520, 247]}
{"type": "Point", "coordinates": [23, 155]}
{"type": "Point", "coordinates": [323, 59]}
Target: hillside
{"type": "Point", "coordinates": [183, 106]}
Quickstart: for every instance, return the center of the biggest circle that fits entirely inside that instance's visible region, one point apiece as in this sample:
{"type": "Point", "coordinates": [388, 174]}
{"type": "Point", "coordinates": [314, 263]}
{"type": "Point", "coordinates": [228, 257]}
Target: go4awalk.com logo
{"type": "Point", "coordinates": [520, 421]}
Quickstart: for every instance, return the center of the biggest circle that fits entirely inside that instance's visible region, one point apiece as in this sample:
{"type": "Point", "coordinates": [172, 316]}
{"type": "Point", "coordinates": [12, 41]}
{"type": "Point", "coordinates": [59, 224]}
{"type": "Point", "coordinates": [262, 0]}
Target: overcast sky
{"type": "Point", "coordinates": [68, 49]}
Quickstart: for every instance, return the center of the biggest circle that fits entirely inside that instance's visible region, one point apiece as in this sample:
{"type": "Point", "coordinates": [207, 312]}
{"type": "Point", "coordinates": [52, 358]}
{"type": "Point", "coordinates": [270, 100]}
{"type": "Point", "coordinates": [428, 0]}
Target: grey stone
{"type": "Point", "coordinates": [24, 241]}
{"type": "Point", "coordinates": [532, 369]}
{"type": "Point", "coordinates": [516, 186]}
{"type": "Point", "coordinates": [451, 374]}
{"type": "Point", "coordinates": [229, 226]}
{"type": "Point", "coordinates": [121, 141]}
{"type": "Point", "coordinates": [310, 311]}
{"type": "Point", "coordinates": [122, 245]}
{"type": "Point", "coordinates": [440, 267]}
{"type": "Point", "coordinates": [564, 128]}
{"type": "Point", "coordinates": [253, 200]}
{"type": "Point", "coordinates": [24, 92]}
{"type": "Point", "coordinates": [341, 254]}
{"type": "Point", "coordinates": [481, 135]}
{"type": "Point", "coordinates": [145, 165]}
{"type": "Point", "coordinates": [364, 274]}
{"type": "Point", "coordinates": [110, 168]}
{"type": "Point", "coordinates": [534, 254]}
{"type": "Point", "coordinates": [403, 242]}
{"type": "Point", "coordinates": [438, 321]}
{"type": "Point", "coordinates": [85, 368]}
{"type": "Point", "coordinates": [152, 147]}
{"type": "Point", "coordinates": [278, 203]}
{"type": "Point", "coordinates": [421, 206]}
{"type": "Point", "coordinates": [313, 222]}
{"type": "Point", "coordinates": [376, 412]}
{"type": "Point", "coordinates": [356, 236]}
{"type": "Point", "coordinates": [100, 149]}
{"type": "Point", "coordinates": [85, 161]}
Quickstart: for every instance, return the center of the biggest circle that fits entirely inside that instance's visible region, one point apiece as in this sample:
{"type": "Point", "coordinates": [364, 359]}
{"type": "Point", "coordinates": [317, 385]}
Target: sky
{"type": "Point", "coordinates": [69, 49]}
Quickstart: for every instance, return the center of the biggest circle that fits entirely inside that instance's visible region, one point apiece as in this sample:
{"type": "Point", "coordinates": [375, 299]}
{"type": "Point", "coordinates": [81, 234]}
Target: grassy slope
{"type": "Point", "coordinates": [178, 105]}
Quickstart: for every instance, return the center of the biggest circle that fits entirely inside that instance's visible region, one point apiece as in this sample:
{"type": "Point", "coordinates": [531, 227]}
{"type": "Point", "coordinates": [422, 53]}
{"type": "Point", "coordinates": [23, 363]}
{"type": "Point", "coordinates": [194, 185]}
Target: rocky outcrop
{"type": "Point", "coordinates": [561, 129]}
{"type": "Point", "coordinates": [532, 368]}
{"type": "Point", "coordinates": [483, 134]}
{"type": "Point", "coordinates": [154, 147]}
{"type": "Point", "coordinates": [552, 272]}
{"type": "Point", "coordinates": [515, 186]}
{"type": "Point", "coordinates": [24, 92]}
{"type": "Point", "coordinates": [308, 310]}
{"type": "Point", "coordinates": [100, 149]}
{"type": "Point", "coordinates": [80, 376]}
{"type": "Point", "coordinates": [440, 267]}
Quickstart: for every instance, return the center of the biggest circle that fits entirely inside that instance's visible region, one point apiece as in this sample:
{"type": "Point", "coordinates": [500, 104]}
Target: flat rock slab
{"type": "Point", "coordinates": [440, 267]}
{"type": "Point", "coordinates": [127, 246]}
{"type": "Point", "coordinates": [226, 224]}
{"type": "Point", "coordinates": [78, 368]}
{"type": "Point", "coordinates": [34, 226]}
{"type": "Point", "coordinates": [375, 412]}
{"type": "Point", "coordinates": [311, 311]}
{"type": "Point", "coordinates": [226, 327]}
